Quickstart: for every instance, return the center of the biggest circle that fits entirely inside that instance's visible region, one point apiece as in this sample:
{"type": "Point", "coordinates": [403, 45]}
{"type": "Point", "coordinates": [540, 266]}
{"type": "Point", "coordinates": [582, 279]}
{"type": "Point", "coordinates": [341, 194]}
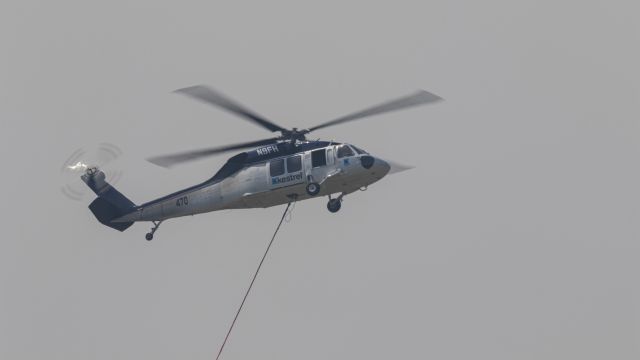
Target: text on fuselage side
{"type": "Point", "coordinates": [182, 201]}
{"type": "Point", "coordinates": [286, 179]}
{"type": "Point", "coordinates": [267, 150]}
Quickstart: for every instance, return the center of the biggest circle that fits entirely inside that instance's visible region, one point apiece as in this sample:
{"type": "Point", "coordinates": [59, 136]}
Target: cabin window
{"type": "Point", "coordinates": [276, 167]}
{"type": "Point", "coordinates": [344, 151]}
{"type": "Point", "coordinates": [294, 163]}
{"type": "Point", "coordinates": [318, 158]}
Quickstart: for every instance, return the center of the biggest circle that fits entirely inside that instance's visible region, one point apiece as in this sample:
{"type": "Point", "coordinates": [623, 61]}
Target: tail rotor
{"type": "Point", "coordinates": [88, 160]}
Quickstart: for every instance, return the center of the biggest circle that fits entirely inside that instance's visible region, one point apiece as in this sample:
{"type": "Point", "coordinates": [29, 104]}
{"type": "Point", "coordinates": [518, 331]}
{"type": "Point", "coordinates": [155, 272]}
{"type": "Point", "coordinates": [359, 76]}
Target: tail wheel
{"type": "Point", "coordinates": [313, 188]}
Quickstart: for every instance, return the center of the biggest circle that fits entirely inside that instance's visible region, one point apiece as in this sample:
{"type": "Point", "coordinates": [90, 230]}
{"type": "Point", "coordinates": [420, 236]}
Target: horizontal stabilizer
{"type": "Point", "coordinates": [105, 211]}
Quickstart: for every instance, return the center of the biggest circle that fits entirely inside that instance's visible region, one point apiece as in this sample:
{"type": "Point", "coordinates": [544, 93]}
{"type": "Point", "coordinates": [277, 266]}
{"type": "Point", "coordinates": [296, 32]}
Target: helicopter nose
{"type": "Point", "coordinates": [376, 164]}
{"type": "Point", "coordinates": [383, 166]}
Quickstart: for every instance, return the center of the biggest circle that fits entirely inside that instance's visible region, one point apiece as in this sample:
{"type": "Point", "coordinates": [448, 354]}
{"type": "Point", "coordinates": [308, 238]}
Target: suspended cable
{"type": "Point", "coordinates": [255, 275]}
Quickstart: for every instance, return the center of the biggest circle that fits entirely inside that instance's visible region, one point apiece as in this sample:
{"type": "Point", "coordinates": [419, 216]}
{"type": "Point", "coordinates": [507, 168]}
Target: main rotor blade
{"type": "Point", "coordinates": [173, 159]}
{"type": "Point", "coordinates": [210, 96]}
{"type": "Point", "coordinates": [419, 98]}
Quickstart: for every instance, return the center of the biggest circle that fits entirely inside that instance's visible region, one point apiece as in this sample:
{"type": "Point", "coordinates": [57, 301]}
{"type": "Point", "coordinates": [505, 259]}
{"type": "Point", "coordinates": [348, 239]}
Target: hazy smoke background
{"type": "Point", "coordinates": [515, 237]}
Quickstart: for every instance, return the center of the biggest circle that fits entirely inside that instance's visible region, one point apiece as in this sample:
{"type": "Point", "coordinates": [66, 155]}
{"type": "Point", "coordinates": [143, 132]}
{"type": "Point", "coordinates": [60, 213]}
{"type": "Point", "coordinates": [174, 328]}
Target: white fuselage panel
{"type": "Point", "coordinates": [265, 184]}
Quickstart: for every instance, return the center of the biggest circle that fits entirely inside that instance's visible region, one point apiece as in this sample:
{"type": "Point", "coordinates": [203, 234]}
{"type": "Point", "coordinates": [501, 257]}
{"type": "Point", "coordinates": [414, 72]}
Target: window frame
{"type": "Point", "coordinates": [299, 164]}
{"type": "Point", "coordinates": [359, 151]}
{"type": "Point", "coordinates": [331, 155]}
{"type": "Point", "coordinates": [273, 161]}
{"type": "Point", "coordinates": [322, 151]}
{"type": "Point", "coordinates": [344, 146]}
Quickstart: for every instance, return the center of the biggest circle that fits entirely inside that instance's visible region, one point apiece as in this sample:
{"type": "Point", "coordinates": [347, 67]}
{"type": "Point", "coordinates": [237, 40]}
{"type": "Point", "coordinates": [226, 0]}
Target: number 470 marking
{"type": "Point", "coordinates": [183, 201]}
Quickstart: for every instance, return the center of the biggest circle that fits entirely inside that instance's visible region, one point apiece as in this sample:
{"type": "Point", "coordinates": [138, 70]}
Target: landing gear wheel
{"type": "Point", "coordinates": [334, 205]}
{"type": "Point", "coordinates": [156, 225]}
{"type": "Point", "coordinates": [313, 188]}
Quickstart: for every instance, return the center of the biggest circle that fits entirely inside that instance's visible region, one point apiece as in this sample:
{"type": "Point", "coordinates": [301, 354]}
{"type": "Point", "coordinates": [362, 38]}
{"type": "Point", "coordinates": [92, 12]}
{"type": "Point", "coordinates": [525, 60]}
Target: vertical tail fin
{"type": "Point", "coordinates": [110, 203]}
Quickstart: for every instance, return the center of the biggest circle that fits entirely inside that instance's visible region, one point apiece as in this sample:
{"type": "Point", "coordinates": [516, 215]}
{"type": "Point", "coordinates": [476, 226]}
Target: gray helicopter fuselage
{"type": "Point", "coordinates": [268, 176]}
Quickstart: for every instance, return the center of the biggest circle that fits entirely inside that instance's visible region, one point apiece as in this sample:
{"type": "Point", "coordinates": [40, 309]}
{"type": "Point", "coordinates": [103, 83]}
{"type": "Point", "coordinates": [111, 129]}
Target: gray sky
{"type": "Point", "coordinates": [516, 236]}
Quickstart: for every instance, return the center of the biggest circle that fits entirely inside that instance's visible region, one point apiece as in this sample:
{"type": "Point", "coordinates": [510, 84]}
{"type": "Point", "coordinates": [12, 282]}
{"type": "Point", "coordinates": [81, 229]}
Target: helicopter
{"type": "Point", "coordinates": [274, 171]}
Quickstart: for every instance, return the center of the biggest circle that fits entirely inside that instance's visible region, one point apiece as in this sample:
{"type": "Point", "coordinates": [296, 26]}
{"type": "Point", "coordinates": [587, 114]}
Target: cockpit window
{"type": "Point", "coordinates": [359, 151]}
{"type": "Point", "coordinates": [344, 151]}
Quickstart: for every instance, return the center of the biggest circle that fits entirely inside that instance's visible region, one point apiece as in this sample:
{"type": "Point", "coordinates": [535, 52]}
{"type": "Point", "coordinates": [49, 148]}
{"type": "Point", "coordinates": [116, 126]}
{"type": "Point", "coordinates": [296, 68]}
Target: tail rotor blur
{"type": "Point", "coordinates": [87, 160]}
